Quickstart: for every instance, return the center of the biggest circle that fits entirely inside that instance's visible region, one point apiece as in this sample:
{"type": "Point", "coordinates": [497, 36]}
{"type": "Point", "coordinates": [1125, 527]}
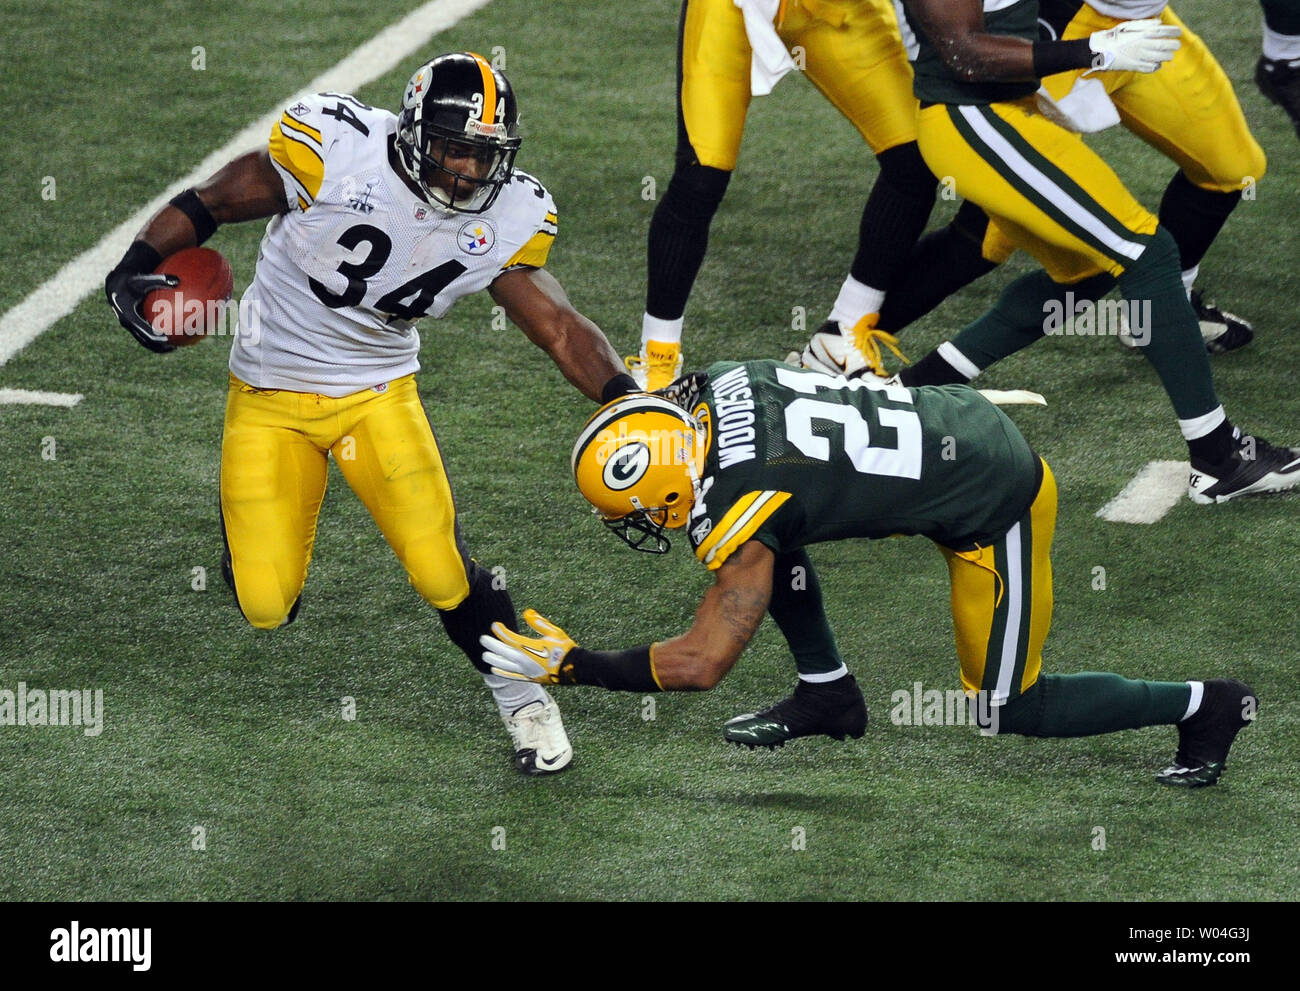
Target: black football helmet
{"type": "Point", "coordinates": [458, 101]}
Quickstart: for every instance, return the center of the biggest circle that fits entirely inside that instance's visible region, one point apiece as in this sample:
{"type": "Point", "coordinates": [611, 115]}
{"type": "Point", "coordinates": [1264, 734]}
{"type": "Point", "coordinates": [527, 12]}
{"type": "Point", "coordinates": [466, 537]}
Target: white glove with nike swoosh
{"type": "Point", "coordinates": [1134, 46]}
{"type": "Point", "coordinates": [525, 658]}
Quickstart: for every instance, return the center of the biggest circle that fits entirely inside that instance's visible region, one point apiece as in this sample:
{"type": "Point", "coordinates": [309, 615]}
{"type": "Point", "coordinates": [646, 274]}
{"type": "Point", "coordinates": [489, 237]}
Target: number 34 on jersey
{"type": "Point", "coordinates": [359, 256]}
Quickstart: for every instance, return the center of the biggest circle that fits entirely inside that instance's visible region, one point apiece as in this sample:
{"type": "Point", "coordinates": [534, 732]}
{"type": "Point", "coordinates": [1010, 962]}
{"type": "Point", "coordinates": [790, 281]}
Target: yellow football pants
{"type": "Point", "coordinates": [1186, 109]}
{"type": "Point", "coordinates": [273, 471]}
{"type": "Point", "coordinates": [1044, 190]}
{"type": "Point", "coordinates": [849, 49]}
{"type": "Point", "coordinates": [1002, 602]}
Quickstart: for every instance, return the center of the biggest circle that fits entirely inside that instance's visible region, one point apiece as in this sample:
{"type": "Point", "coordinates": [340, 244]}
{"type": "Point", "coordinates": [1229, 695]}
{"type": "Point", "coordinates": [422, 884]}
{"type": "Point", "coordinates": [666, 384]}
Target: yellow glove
{"type": "Point", "coordinates": [539, 659]}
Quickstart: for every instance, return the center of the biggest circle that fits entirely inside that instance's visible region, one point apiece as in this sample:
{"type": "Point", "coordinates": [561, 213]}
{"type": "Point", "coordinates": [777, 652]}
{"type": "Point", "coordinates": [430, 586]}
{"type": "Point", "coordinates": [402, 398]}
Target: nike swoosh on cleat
{"type": "Point", "coordinates": [755, 729]}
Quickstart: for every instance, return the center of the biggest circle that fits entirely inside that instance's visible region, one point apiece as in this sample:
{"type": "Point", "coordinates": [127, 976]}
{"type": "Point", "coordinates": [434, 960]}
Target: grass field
{"type": "Point", "coordinates": [211, 724]}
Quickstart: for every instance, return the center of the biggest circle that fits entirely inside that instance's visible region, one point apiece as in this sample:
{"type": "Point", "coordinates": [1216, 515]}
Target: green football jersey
{"type": "Point", "coordinates": [796, 457]}
{"type": "Point", "coordinates": [934, 83]}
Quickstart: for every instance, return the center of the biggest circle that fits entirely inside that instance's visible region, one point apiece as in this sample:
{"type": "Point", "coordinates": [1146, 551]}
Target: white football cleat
{"type": "Point", "coordinates": [850, 352]}
{"type": "Point", "coordinates": [541, 745]}
{"type": "Point", "coordinates": [831, 352]}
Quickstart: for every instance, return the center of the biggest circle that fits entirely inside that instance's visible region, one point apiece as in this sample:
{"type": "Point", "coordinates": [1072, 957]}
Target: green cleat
{"type": "Point", "coordinates": [1203, 739]}
{"type": "Point", "coordinates": [835, 709]}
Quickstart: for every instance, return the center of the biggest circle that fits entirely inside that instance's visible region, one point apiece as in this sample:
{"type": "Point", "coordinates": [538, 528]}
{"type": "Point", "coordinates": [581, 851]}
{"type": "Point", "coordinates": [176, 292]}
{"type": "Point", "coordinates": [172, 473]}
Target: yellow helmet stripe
{"type": "Point", "coordinates": [489, 90]}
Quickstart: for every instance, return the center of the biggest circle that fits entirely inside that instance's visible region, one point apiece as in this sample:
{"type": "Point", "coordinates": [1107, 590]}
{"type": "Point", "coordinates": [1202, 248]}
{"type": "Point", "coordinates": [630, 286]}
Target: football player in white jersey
{"type": "Point", "coordinates": [376, 221]}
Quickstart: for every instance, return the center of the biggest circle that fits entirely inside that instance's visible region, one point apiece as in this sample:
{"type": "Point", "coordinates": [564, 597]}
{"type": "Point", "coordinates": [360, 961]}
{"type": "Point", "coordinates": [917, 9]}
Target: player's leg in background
{"type": "Point", "coordinates": [1189, 111]}
{"type": "Point", "coordinates": [713, 64]}
{"type": "Point", "coordinates": [1002, 611]}
{"type": "Point", "coordinates": [1055, 198]}
{"type": "Point", "coordinates": [826, 700]}
{"type": "Point", "coordinates": [1001, 618]}
{"type": "Point", "coordinates": [1021, 216]}
{"type": "Point", "coordinates": [272, 483]}
{"type": "Point", "coordinates": [943, 262]}
{"type": "Point", "coordinates": [388, 454]}
{"type": "Point", "coordinates": [855, 57]}
{"type": "Point", "coordinates": [1278, 71]}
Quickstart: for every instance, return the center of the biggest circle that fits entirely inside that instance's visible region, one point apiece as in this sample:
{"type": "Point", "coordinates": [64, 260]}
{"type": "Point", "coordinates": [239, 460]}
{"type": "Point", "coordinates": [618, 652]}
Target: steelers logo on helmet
{"type": "Point", "coordinates": [638, 461]}
{"type": "Point", "coordinates": [457, 133]}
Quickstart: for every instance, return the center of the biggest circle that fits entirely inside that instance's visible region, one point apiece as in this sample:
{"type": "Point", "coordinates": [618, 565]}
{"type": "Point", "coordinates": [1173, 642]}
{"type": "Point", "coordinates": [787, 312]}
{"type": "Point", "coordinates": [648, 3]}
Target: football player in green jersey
{"type": "Point", "coordinates": [758, 459]}
{"type": "Point", "coordinates": [978, 67]}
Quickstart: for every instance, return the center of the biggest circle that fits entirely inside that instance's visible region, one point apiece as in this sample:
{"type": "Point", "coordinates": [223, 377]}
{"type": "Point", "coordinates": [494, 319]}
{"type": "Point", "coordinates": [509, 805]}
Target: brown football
{"type": "Point", "coordinates": [195, 308]}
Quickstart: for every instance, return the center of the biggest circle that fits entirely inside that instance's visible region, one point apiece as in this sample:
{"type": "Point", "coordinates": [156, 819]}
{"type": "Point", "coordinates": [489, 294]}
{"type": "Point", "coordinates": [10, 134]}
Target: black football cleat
{"type": "Point", "coordinates": [1204, 739]}
{"type": "Point", "coordinates": [1221, 331]}
{"type": "Point", "coordinates": [1279, 81]}
{"type": "Point", "coordinates": [1255, 468]}
{"type": "Point", "coordinates": [835, 709]}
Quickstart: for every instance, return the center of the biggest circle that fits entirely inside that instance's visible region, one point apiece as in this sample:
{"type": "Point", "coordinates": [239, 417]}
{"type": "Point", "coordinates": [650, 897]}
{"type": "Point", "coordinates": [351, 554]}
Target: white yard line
{"type": "Point", "coordinates": [61, 293]}
{"type": "Point", "coordinates": [1153, 491]}
{"type": "Point", "coordinates": [25, 397]}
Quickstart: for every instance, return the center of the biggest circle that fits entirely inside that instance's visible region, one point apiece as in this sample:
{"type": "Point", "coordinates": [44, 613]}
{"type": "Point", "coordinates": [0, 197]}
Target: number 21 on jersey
{"type": "Point", "coordinates": [902, 461]}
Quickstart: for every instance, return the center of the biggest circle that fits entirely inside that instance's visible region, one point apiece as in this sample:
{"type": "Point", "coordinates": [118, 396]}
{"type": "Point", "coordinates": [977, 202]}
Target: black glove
{"type": "Point", "coordinates": [127, 286]}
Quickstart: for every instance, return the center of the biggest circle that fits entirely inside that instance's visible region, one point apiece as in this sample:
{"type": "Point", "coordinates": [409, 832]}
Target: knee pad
{"type": "Point", "coordinates": [268, 613]}
{"type": "Point", "coordinates": [1023, 715]}
{"type": "Point", "coordinates": [1154, 270]}
{"type": "Point", "coordinates": [905, 170]}
{"type": "Point", "coordinates": [1230, 170]}
{"type": "Point", "coordinates": [441, 578]}
{"type": "Point", "coordinates": [263, 602]}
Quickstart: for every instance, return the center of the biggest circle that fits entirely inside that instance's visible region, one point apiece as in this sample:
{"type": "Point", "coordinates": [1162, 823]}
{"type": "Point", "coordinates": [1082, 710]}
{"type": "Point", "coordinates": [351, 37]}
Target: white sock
{"type": "Point", "coordinates": [512, 694]}
{"type": "Point", "coordinates": [1194, 703]}
{"type": "Point", "coordinates": [960, 363]}
{"type": "Point", "coordinates": [1281, 47]}
{"type": "Point", "coordinates": [817, 679]}
{"type": "Point", "coordinates": [1199, 426]}
{"type": "Point", "coordinates": [654, 329]}
{"type": "Point", "coordinates": [855, 301]}
{"type": "Point", "coordinates": [1189, 279]}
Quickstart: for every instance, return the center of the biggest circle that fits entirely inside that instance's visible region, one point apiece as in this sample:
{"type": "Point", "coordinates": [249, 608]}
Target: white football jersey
{"type": "Point", "coordinates": [359, 257]}
{"type": "Point", "coordinates": [1129, 10]}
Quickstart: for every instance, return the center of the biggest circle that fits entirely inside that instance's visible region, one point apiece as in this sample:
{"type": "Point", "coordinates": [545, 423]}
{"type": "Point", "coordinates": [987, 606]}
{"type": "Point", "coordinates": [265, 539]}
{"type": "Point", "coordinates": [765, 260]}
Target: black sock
{"type": "Point", "coordinates": [486, 604]}
{"type": "Point", "coordinates": [796, 607]}
{"type": "Point", "coordinates": [1282, 16]}
{"type": "Point", "coordinates": [941, 263]}
{"type": "Point", "coordinates": [895, 214]}
{"type": "Point", "coordinates": [1194, 216]}
{"type": "Point", "coordinates": [931, 370]}
{"type": "Point", "coordinates": [1215, 447]}
{"type": "Point", "coordinates": [679, 237]}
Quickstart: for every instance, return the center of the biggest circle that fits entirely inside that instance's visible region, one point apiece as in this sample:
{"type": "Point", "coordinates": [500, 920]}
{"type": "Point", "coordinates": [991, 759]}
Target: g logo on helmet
{"type": "Point", "coordinates": [626, 466]}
